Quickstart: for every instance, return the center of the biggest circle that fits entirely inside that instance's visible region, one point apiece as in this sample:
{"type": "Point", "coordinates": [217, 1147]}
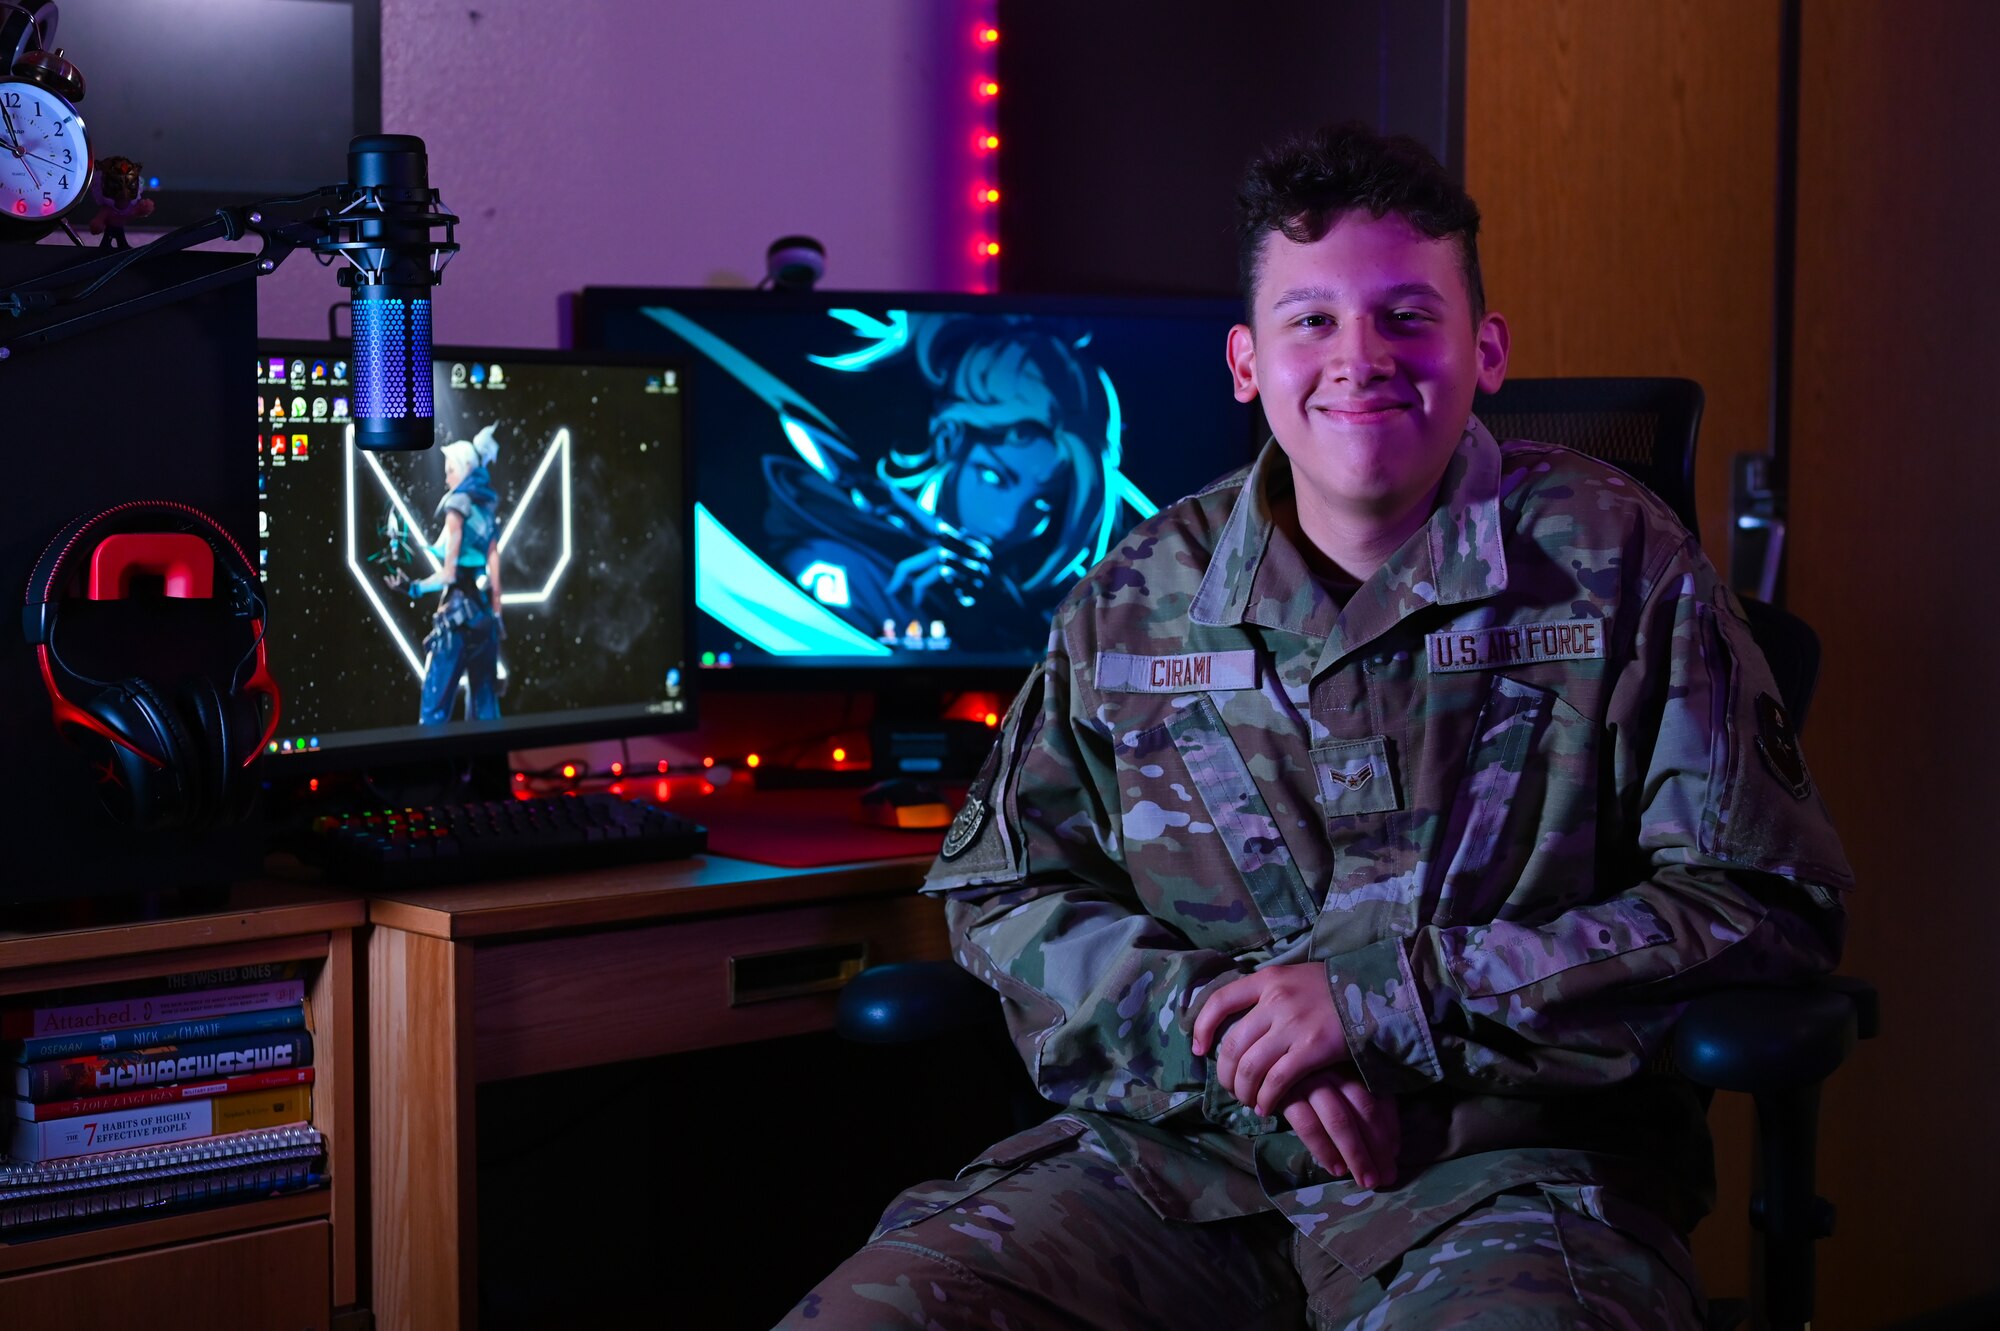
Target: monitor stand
{"type": "Point", "coordinates": [911, 737]}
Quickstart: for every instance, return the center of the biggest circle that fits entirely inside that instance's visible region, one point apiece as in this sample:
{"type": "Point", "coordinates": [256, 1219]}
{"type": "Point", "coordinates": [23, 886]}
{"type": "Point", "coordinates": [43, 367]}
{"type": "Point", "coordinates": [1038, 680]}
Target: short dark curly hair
{"type": "Point", "coordinates": [1299, 187]}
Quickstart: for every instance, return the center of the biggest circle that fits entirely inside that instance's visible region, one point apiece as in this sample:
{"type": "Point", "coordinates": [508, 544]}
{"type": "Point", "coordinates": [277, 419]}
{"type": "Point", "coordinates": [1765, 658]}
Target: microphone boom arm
{"type": "Point", "coordinates": [322, 230]}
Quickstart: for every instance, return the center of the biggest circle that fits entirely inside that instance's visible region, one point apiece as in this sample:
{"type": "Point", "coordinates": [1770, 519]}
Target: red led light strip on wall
{"type": "Point", "coordinates": [983, 188]}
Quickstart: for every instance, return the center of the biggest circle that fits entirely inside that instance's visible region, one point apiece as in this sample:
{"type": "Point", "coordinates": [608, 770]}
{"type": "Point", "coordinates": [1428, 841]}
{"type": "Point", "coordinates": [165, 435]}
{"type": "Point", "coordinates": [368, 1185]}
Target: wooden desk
{"type": "Point", "coordinates": [472, 984]}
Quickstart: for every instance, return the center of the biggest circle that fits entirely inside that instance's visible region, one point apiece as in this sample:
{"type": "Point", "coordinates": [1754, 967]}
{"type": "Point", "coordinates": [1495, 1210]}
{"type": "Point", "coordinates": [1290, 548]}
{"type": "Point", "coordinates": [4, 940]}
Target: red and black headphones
{"type": "Point", "coordinates": [161, 757]}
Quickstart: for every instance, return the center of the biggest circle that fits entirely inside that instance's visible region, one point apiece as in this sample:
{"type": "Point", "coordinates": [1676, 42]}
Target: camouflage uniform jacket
{"type": "Point", "coordinates": [1522, 794]}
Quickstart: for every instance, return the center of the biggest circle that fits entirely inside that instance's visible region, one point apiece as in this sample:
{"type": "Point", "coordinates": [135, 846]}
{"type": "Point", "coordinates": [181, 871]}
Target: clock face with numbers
{"type": "Point", "coordinates": [44, 155]}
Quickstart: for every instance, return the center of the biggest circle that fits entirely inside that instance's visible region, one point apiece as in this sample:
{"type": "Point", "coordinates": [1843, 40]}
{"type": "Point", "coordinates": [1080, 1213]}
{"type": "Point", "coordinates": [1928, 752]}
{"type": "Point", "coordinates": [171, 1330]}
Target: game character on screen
{"type": "Point", "coordinates": [1015, 490]}
{"type": "Point", "coordinates": [467, 627]}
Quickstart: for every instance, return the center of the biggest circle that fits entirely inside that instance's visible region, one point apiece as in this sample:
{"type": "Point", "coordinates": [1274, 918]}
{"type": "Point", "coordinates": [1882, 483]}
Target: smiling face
{"type": "Point", "coordinates": [1365, 353]}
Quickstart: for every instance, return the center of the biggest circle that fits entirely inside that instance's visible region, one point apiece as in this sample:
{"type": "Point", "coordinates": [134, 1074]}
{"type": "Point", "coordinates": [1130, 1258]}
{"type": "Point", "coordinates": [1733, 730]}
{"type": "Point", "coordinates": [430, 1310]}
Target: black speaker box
{"type": "Point", "coordinates": [158, 405]}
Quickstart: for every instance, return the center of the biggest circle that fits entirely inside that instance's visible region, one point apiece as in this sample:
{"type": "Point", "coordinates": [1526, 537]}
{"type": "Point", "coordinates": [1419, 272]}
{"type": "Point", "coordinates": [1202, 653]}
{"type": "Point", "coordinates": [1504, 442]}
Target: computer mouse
{"type": "Point", "coordinates": [905, 802]}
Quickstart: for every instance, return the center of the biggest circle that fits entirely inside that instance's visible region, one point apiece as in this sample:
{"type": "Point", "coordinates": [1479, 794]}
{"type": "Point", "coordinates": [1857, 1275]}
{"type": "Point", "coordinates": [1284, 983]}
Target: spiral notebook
{"type": "Point", "coordinates": [132, 1184]}
{"type": "Point", "coordinates": [84, 1172]}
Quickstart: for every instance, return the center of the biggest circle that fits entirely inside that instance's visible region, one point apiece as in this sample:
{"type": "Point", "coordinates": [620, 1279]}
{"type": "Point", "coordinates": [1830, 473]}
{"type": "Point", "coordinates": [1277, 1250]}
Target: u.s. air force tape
{"type": "Point", "coordinates": [1129, 672]}
{"type": "Point", "coordinates": [1515, 644]}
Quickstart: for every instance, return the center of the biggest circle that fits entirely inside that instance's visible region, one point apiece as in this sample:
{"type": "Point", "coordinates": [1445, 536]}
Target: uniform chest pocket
{"type": "Point", "coordinates": [1521, 836]}
{"type": "Point", "coordinates": [1204, 852]}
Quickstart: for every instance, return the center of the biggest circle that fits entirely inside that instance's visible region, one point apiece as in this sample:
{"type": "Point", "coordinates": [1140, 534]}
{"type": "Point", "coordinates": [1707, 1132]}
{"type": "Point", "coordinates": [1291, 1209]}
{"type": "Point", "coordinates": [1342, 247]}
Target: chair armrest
{"type": "Point", "coordinates": [912, 1000]}
{"type": "Point", "coordinates": [1753, 1039]}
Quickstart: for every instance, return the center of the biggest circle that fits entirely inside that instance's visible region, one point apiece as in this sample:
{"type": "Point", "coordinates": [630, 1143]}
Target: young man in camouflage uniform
{"type": "Point", "coordinates": [1345, 865]}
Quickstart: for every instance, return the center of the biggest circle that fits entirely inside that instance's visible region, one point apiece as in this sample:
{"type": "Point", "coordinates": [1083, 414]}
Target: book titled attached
{"type": "Point", "coordinates": [23, 1018]}
{"type": "Point", "coordinates": [112, 1011]}
{"type": "Point", "coordinates": [154, 1124]}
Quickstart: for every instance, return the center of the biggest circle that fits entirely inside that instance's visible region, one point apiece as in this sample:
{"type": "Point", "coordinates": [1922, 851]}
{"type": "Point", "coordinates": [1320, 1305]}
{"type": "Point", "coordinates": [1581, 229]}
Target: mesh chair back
{"type": "Point", "coordinates": [1645, 427]}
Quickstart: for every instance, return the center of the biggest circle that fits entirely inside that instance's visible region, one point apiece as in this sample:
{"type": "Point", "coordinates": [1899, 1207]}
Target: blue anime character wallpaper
{"type": "Point", "coordinates": [881, 485]}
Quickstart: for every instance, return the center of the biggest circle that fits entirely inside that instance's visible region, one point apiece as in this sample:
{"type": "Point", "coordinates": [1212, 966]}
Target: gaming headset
{"type": "Point", "coordinates": [162, 757]}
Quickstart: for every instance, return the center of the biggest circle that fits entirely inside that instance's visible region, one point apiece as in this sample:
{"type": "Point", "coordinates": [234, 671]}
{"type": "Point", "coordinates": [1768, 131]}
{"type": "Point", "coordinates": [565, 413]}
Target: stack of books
{"type": "Point", "coordinates": [166, 1092]}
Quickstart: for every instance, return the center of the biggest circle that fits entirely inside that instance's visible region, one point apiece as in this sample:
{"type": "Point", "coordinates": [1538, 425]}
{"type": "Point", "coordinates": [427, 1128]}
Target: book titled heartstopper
{"type": "Point", "coordinates": [155, 1124]}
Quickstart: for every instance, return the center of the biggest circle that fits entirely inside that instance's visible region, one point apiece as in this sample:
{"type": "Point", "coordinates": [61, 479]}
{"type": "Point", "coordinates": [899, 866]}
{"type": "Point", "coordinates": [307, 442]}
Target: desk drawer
{"type": "Point", "coordinates": [586, 999]}
{"type": "Point", "coordinates": [270, 1280]}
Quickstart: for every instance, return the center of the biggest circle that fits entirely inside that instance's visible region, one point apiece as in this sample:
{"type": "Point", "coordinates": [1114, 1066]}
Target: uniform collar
{"type": "Point", "coordinates": [1257, 575]}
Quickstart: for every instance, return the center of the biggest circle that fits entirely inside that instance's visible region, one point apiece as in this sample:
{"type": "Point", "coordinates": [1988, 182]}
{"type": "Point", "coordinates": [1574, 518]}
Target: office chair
{"type": "Point", "coordinates": [1644, 427]}
{"type": "Point", "coordinates": [1776, 1044]}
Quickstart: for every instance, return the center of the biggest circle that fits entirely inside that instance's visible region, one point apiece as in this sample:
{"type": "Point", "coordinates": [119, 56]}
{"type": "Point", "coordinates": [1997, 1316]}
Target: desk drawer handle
{"type": "Point", "coordinates": [795, 971]}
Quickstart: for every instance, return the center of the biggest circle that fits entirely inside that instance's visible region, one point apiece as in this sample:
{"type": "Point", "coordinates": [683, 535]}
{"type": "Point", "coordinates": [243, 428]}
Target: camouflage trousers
{"type": "Point", "coordinates": [1062, 1241]}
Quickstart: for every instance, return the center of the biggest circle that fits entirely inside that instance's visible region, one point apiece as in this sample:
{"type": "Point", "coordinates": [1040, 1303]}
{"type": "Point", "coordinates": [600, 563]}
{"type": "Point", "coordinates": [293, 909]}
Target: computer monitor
{"type": "Point", "coordinates": [911, 482]}
{"type": "Point", "coordinates": [568, 474]}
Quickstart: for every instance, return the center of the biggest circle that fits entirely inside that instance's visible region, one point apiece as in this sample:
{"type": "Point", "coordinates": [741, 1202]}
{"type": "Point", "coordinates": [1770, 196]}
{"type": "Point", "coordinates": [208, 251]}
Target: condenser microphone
{"type": "Point", "coordinates": [383, 229]}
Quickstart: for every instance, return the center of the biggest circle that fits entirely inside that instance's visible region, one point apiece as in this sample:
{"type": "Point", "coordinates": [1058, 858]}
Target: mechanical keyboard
{"type": "Point", "coordinates": [503, 838]}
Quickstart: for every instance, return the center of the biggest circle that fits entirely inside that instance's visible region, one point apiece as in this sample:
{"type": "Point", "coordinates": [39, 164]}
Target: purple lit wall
{"type": "Point", "coordinates": [661, 142]}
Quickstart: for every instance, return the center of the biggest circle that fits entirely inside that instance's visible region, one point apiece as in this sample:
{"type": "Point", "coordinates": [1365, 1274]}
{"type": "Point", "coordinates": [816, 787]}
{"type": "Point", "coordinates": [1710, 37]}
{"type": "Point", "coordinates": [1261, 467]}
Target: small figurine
{"type": "Point", "coordinates": [119, 188]}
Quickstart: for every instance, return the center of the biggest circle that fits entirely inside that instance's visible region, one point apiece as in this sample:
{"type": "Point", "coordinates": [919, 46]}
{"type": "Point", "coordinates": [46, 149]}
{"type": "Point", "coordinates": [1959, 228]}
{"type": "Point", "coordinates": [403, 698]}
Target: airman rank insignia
{"type": "Point", "coordinates": [1127, 672]}
{"type": "Point", "coordinates": [965, 828]}
{"type": "Point", "coordinates": [1515, 644]}
{"type": "Point", "coordinates": [1779, 747]}
{"type": "Point", "coordinates": [1355, 776]}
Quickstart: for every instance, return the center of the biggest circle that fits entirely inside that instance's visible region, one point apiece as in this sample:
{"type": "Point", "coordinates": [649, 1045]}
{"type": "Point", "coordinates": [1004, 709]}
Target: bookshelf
{"type": "Point", "coordinates": [281, 1261]}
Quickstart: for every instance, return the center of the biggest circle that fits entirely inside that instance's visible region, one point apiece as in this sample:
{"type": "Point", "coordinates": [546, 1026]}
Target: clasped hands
{"type": "Point", "coordinates": [1286, 1052]}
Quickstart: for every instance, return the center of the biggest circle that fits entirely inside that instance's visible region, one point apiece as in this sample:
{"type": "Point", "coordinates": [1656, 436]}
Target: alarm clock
{"type": "Point", "coordinates": [45, 155]}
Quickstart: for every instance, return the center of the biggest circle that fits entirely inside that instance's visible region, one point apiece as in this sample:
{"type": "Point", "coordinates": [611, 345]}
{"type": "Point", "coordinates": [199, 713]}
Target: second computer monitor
{"type": "Point", "coordinates": [523, 582]}
{"type": "Point", "coordinates": [901, 481]}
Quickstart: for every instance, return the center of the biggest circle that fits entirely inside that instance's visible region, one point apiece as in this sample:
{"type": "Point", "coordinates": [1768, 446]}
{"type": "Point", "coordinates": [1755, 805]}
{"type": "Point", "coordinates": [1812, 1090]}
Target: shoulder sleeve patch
{"type": "Point", "coordinates": [965, 828]}
{"type": "Point", "coordinates": [1779, 747]}
{"type": "Point", "coordinates": [1763, 812]}
{"type": "Point", "coordinates": [980, 845]}
{"type": "Point", "coordinates": [973, 815]}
